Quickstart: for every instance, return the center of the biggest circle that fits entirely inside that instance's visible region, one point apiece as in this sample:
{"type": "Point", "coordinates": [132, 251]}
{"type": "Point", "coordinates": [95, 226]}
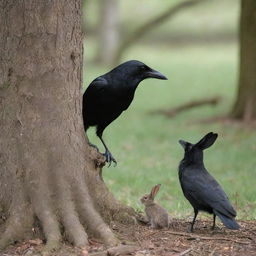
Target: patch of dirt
{"type": "Point", "coordinates": [140, 240]}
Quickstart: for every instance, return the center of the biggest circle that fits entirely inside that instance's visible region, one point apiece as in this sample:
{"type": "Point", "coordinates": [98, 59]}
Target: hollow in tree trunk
{"type": "Point", "coordinates": [245, 104]}
{"type": "Point", "coordinates": [49, 174]}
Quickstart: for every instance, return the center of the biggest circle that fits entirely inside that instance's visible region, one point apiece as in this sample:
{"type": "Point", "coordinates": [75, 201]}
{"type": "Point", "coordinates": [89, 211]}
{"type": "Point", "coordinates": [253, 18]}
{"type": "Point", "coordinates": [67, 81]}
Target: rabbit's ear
{"type": "Point", "coordinates": [183, 143]}
{"type": "Point", "coordinates": [154, 190]}
{"type": "Point", "coordinates": [207, 140]}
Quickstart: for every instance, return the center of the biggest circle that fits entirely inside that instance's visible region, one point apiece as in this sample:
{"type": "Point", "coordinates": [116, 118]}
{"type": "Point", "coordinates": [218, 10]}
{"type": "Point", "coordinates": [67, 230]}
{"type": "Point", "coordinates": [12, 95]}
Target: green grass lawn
{"type": "Point", "coordinates": [146, 146]}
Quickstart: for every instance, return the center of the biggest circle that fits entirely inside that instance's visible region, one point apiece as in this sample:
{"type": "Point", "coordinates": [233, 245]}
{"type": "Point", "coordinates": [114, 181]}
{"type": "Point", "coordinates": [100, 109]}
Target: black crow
{"type": "Point", "coordinates": [200, 188]}
{"type": "Point", "coordinates": [110, 94]}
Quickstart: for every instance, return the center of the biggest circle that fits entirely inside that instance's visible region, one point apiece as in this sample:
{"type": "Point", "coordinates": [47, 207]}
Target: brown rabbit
{"type": "Point", "coordinates": [158, 217]}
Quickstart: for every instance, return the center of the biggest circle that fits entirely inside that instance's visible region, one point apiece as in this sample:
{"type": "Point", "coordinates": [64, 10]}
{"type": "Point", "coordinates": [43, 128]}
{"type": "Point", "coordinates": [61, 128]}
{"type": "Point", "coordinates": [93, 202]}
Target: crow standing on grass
{"type": "Point", "coordinates": [109, 95]}
{"type": "Point", "coordinates": [200, 188]}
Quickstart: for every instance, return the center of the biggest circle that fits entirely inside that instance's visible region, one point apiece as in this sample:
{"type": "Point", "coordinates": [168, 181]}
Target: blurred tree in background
{"type": "Point", "coordinates": [111, 47]}
{"type": "Point", "coordinates": [109, 34]}
{"type": "Point", "coordinates": [148, 26]}
{"type": "Point", "coordinates": [245, 105]}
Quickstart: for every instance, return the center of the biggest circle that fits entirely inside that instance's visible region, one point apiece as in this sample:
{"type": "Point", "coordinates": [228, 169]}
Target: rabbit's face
{"type": "Point", "coordinates": [146, 199]}
{"type": "Point", "coordinates": [194, 152]}
{"type": "Point", "coordinates": [187, 146]}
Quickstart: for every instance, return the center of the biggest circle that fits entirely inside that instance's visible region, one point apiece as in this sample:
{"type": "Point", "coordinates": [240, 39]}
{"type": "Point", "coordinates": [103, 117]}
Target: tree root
{"type": "Point", "coordinates": [118, 250]}
{"type": "Point", "coordinates": [105, 203]}
{"type": "Point", "coordinates": [66, 206]}
{"type": "Point", "coordinates": [45, 212]}
{"type": "Point", "coordinates": [17, 224]}
{"type": "Point", "coordinates": [70, 219]}
{"type": "Point", "coordinates": [189, 105]}
{"type": "Point", "coordinates": [51, 245]}
{"type": "Point", "coordinates": [92, 218]}
{"type": "Point", "coordinates": [19, 221]}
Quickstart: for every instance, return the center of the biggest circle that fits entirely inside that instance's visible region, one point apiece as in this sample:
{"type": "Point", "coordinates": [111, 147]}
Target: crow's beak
{"type": "Point", "coordinates": [155, 74]}
{"type": "Point", "coordinates": [183, 143]}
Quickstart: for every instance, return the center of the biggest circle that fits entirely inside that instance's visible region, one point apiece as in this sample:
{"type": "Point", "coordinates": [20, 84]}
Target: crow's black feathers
{"type": "Point", "coordinates": [109, 95]}
{"type": "Point", "coordinates": [200, 188]}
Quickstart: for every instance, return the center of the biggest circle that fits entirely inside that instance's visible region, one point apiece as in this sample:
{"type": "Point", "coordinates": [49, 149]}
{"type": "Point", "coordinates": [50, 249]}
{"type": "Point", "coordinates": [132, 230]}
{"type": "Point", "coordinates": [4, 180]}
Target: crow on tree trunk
{"type": "Point", "coordinates": [112, 93]}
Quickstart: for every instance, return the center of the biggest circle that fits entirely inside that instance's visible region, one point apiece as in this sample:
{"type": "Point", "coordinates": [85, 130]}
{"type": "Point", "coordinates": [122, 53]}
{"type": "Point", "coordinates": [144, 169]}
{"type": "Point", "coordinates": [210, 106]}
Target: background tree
{"type": "Point", "coordinates": [245, 104]}
{"type": "Point", "coordinates": [151, 24]}
{"type": "Point", "coordinates": [48, 171]}
{"type": "Point", "coordinates": [109, 34]}
{"type": "Point", "coordinates": [111, 45]}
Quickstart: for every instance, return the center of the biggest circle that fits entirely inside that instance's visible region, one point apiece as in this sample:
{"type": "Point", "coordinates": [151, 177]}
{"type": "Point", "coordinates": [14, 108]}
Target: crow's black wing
{"type": "Point", "coordinates": [103, 101]}
{"type": "Point", "coordinates": [96, 89]}
{"type": "Point", "coordinates": [94, 101]}
{"type": "Point", "coordinates": [204, 190]}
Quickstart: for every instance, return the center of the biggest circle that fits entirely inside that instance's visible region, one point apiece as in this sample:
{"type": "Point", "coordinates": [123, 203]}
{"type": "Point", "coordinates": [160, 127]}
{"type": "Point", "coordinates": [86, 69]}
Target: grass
{"type": "Point", "coordinates": [146, 146]}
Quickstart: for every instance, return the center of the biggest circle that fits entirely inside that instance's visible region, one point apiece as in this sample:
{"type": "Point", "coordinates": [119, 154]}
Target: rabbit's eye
{"type": "Point", "coordinates": [189, 147]}
{"type": "Point", "coordinates": [145, 197]}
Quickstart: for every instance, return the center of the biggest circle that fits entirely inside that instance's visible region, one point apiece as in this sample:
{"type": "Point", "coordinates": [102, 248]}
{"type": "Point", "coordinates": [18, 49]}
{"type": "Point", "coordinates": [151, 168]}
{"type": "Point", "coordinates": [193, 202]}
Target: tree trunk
{"type": "Point", "coordinates": [49, 174]}
{"type": "Point", "coordinates": [245, 105]}
{"type": "Point", "coordinates": [108, 31]}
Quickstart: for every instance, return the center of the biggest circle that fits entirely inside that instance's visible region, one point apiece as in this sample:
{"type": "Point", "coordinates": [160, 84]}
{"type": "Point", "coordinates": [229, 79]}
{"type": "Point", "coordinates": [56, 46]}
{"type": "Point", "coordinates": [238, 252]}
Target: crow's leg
{"type": "Point", "coordinates": [193, 222]}
{"type": "Point", "coordinates": [94, 146]}
{"type": "Point", "coordinates": [107, 154]}
{"type": "Point", "coordinates": [90, 144]}
{"type": "Point", "coordinates": [214, 219]}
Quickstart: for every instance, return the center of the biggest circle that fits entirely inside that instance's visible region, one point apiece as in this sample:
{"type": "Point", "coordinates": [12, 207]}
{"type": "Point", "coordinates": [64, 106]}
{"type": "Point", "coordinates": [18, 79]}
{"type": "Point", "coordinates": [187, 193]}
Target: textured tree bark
{"type": "Point", "coordinates": [49, 174]}
{"type": "Point", "coordinates": [245, 105]}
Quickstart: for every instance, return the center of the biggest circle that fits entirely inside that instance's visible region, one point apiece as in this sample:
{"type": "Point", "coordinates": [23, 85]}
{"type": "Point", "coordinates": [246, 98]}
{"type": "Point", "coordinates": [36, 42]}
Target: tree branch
{"type": "Point", "coordinates": [192, 104]}
{"type": "Point", "coordinates": [191, 236]}
{"type": "Point", "coordinates": [151, 24]}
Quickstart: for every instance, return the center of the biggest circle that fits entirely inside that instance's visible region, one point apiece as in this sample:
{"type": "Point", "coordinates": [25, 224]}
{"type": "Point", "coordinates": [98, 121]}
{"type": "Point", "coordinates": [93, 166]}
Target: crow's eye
{"type": "Point", "coordinates": [143, 68]}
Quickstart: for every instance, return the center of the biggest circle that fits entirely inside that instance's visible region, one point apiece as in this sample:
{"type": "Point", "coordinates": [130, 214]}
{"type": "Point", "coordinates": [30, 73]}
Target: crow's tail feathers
{"type": "Point", "coordinates": [227, 221]}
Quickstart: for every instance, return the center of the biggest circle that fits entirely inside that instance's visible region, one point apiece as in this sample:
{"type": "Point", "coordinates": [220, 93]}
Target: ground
{"type": "Point", "coordinates": [175, 241]}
